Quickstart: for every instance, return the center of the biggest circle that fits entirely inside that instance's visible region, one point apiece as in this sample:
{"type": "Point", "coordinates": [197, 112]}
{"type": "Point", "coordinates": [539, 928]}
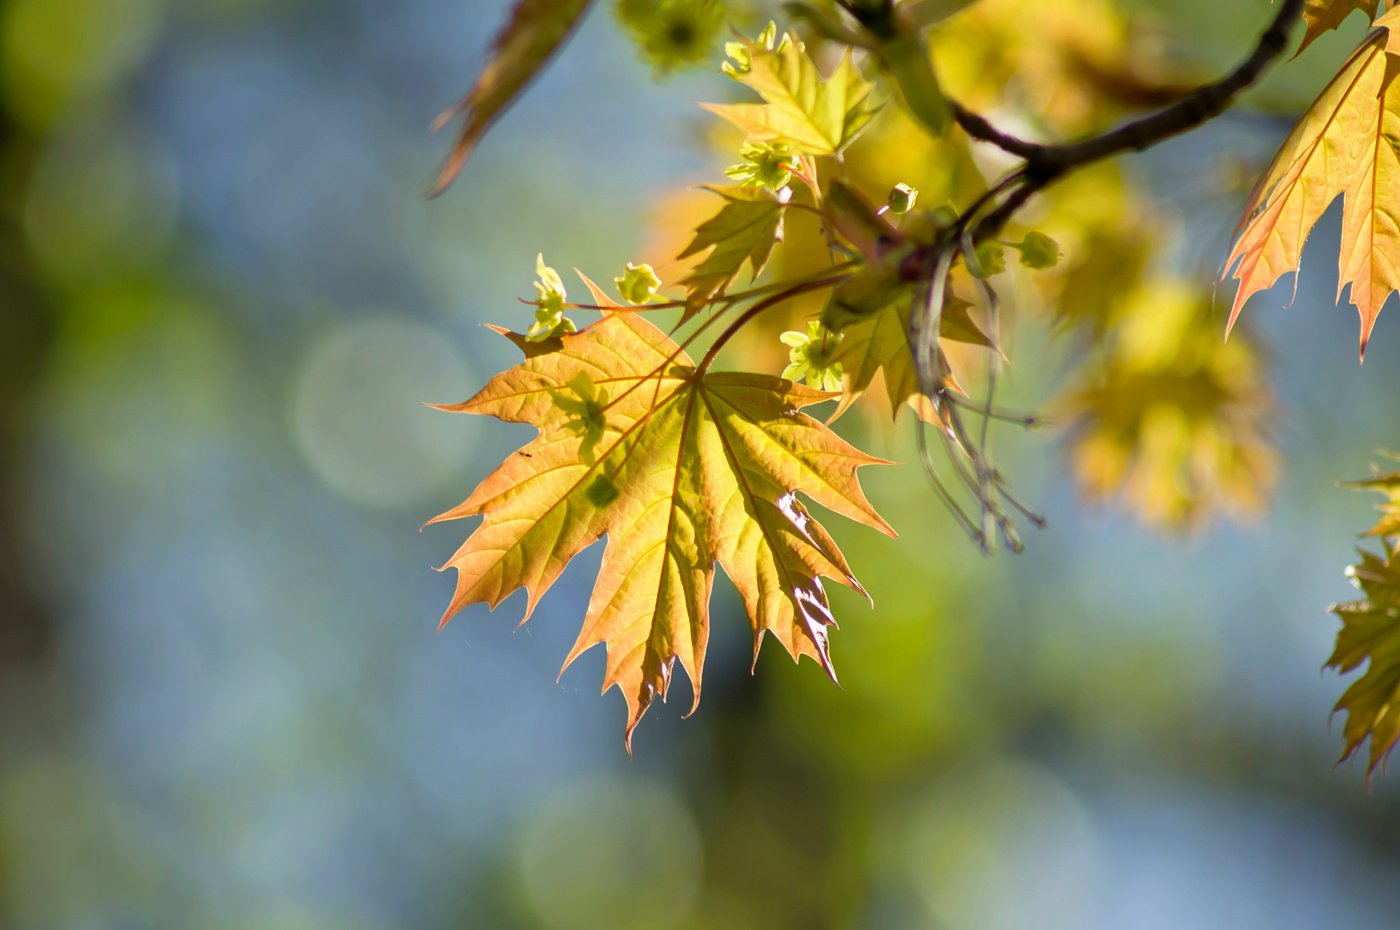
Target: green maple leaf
{"type": "Point", "coordinates": [880, 341]}
{"type": "Point", "coordinates": [1387, 483]}
{"type": "Point", "coordinates": [1371, 634]}
{"type": "Point", "coordinates": [811, 114]}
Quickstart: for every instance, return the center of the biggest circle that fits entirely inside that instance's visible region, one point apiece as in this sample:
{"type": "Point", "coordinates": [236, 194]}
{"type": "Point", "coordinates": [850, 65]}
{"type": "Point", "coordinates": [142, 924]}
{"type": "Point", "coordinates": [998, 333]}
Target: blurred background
{"type": "Point", "coordinates": [223, 699]}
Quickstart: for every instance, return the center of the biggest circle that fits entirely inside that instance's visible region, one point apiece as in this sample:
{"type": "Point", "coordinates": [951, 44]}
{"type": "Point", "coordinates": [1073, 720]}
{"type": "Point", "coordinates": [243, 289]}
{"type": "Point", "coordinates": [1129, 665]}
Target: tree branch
{"type": "Point", "coordinates": [1045, 164]}
{"type": "Point", "coordinates": [1042, 165]}
{"type": "Point", "coordinates": [980, 128]}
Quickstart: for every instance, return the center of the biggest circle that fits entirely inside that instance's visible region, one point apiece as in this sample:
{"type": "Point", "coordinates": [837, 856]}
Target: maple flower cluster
{"type": "Point", "coordinates": [673, 33]}
{"type": "Point", "coordinates": [766, 164]}
{"type": "Point", "coordinates": [549, 307]}
{"type": "Point", "coordinates": [638, 284]}
{"type": "Point", "coordinates": [810, 357]}
{"type": "Point", "coordinates": [1038, 252]}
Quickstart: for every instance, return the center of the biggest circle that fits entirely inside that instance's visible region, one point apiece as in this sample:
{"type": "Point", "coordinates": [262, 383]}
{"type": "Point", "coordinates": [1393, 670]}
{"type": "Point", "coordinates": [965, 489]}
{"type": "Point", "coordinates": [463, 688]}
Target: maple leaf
{"type": "Point", "coordinates": [879, 342]}
{"type": "Point", "coordinates": [811, 114]}
{"type": "Point", "coordinates": [1173, 420]}
{"type": "Point", "coordinates": [1387, 483]}
{"type": "Point", "coordinates": [681, 469]}
{"type": "Point", "coordinates": [1371, 631]}
{"type": "Point", "coordinates": [871, 309]}
{"type": "Point", "coordinates": [744, 230]}
{"type": "Point", "coordinates": [535, 31]}
{"type": "Point", "coordinates": [1325, 15]}
{"type": "Point", "coordinates": [1345, 147]}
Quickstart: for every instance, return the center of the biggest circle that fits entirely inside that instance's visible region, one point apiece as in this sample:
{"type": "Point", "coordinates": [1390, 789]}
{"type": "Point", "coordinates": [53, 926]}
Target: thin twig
{"type": "Point", "coordinates": [980, 128]}
{"type": "Point", "coordinates": [747, 316]}
{"type": "Point", "coordinates": [1045, 164]}
{"type": "Point", "coordinates": [944, 495]}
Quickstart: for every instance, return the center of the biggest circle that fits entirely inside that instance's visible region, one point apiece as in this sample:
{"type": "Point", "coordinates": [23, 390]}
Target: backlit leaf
{"type": "Point", "coordinates": [681, 470]}
{"type": "Point", "coordinates": [1344, 147]}
{"type": "Point", "coordinates": [535, 31]}
{"type": "Point", "coordinates": [744, 230]}
{"type": "Point", "coordinates": [1387, 483]}
{"type": "Point", "coordinates": [1371, 633]}
{"type": "Point", "coordinates": [1172, 420]}
{"type": "Point", "coordinates": [812, 114]}
{"type": "Point", "coordinates": [879, 342]}
{"type": "Point", "coordinates": [1325, 15]}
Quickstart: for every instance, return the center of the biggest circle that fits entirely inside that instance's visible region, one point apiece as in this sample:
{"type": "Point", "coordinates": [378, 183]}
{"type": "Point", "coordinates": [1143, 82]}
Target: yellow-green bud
{"type": "Point", "coordinates": [902, 198]}
{"type": "Point", "coordinates": [1039, 251]}
{"type": "Point", "coordinates": [638, 284]}
{"type": "Point", "coordinates": [742, 53]}
{"type": "Point", "coordinates": [991, 259]}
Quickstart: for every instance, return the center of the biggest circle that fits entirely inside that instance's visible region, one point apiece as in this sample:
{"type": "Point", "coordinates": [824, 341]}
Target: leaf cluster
{"type": "Point", "coordinates": [881, 240]}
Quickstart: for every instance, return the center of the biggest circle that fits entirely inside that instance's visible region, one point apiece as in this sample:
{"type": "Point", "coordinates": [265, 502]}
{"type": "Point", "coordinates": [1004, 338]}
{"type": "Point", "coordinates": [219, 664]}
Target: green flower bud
{"type": "Point", "coordinates": [991, 259]}
{"type": "Point", "coordinates": [1039, 251]}
{"type": "Point", "coordinates": [638, 284]}
{"type": "Point", "coordinates": [768, 36]}
{"type": "Point", "coordinates": [741, 59]}
{"type": "Point", "coordinates": [741, 53]}
{"type": "Point", "coordinates": [902, 198]}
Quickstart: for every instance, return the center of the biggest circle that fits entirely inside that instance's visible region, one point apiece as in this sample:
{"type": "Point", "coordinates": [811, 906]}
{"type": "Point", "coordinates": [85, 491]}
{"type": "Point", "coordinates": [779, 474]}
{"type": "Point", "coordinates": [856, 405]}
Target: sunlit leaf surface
{"type": "Point", "coordinates": [681, 470]}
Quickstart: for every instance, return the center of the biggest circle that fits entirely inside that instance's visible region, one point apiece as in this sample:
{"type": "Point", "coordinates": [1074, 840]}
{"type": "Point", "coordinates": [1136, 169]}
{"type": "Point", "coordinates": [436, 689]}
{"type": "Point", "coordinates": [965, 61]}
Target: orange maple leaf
{"type": "Point", "coordinates": [1345, 146]}
{"type": "Point", "coordinates": [681, 469]}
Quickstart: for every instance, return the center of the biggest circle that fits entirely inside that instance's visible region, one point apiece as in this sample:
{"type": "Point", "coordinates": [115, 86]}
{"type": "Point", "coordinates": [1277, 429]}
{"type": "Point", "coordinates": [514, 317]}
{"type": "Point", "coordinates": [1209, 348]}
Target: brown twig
{"type": "Point", "coordinates": [767, 304]}
{"type": "Point", "coordinates": [1045, 164]}
{"type": "Point", "coordinates": [1042, 165]}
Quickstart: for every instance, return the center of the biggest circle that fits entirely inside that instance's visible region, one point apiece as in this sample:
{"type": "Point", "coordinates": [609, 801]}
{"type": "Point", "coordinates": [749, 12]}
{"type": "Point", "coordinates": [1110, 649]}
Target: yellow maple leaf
{"type": "Point", "coordinates": [1172, 420]}
{"type": "Point", "coordinates": [1345, 147]}
{"type": "Point", "coordinates": [681, 469]}
{"type": "Point", "coordinates": [811, 113]}
{"type": "Point", "coordinates": [1325, 15]}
